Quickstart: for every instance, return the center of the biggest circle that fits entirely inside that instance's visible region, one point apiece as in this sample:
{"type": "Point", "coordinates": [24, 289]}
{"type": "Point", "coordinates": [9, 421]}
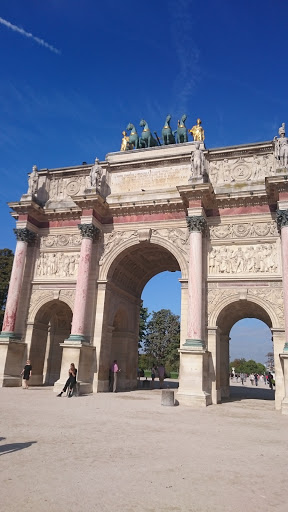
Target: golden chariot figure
{"type": "Point", "coordinates": [125, 144]}
{"type": "Point", "coordinates": [197, 131]}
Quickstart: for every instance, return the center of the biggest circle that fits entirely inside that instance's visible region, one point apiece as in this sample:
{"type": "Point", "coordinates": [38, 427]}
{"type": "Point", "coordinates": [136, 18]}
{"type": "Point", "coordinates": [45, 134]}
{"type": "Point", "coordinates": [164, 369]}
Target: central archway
{"type": "Point", "coordinates": [127, 276]}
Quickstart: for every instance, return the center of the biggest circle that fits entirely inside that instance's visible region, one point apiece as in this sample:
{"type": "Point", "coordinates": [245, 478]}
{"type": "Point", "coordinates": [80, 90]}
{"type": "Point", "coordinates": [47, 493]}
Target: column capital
{"type": "Point", "coordinates": [88, 231]}
{"type": "Point", "coordinates": [196, 223]}
{"type": "Point", "coordinates": [281, 219]}
{"type": "Point", "coordinates": [25, 235]}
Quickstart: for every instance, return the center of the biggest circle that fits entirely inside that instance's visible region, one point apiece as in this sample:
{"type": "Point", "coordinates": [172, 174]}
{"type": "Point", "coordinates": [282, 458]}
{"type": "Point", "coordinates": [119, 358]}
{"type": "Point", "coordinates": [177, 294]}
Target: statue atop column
{"type": "Point", "coordinates": [95, 176]}
{"type": "Point", "coordinates": [281, 147]}
{"type": "Point", "coordinates": [197, 162]}
{"type": "Point", "coordinates": [33, 182]}
{"type": "Point", "coordinates": [197, 131]}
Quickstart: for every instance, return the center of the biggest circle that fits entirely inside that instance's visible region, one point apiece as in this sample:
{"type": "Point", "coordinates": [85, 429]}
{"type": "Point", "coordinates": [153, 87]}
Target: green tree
{"type": "Point", "coordinates": [243, 366]}
{"type": "Point", "coordinates": [6, 262]}
{"type": "Point", "coordinates": [142, 324]}
{"type": "Point", "coordinates": [163, 338]}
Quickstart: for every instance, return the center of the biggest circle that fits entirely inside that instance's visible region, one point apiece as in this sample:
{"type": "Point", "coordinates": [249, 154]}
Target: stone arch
{"type": "Point", "coordinates": [121, 248]}
{"type": "Point", "coordinates": [51, 326]}
{"type": "Point", "coordinates": [248, 308]}
{"type": "Point", "coordinates": [39, 298]}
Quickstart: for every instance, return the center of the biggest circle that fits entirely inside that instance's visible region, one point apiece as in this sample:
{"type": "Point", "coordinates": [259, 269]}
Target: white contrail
{"type": "Point", "coordinates": [28, 34]}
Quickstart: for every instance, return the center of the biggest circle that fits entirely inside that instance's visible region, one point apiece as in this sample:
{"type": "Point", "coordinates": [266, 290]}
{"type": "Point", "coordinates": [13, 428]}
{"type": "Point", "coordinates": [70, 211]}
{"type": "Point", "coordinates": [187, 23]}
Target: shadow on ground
{"type": "Point", "coordinates": [14, 447]}
{"type": "Point", "coordinates": [238, 393]}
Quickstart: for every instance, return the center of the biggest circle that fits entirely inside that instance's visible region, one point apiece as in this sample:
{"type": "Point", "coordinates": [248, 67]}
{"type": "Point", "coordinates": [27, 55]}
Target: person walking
{"type": "Point", "coordinates": [242, 377]}
{"type": "Point", "coordinates": [26, 373]}
{"type": "Point", "coordinates": [114, 370]}
{"type": "Point", "coordinates": [71, 381]}
{"type": "Point", "coordinates": [256, 379]}
{"type": "Point", "coordinates": [270, 380]}
{"type": "Point", "coordinates": [252, 378]}
{"type": "Point", "coordinates": [161, 375]}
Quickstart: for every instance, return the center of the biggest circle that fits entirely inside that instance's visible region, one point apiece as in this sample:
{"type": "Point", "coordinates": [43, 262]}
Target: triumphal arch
{"type": "Point", "coordinates": [90, 237]}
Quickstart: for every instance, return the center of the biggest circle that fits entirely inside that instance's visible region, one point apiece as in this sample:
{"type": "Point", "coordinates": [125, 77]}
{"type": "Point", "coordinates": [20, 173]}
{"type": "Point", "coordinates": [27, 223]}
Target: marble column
{"type": "Point", "coordinates": [196, 226]}
{"type": "Point", "coordinates": [282, 223]}
{"type": "Point", "coordinates": [24, 236]}
{"type": "Point", "coordinates": [88, 233]}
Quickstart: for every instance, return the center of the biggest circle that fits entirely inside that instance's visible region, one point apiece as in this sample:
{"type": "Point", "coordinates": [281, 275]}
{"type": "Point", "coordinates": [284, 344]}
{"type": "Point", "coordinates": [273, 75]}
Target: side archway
{"type": "Point", "coordinates": [51, 326]}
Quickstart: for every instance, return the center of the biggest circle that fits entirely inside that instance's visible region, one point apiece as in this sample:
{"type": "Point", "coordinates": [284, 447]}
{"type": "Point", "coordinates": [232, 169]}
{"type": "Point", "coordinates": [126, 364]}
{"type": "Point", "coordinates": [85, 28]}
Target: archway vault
{"type": "Point", "coordinates": [137, 264]}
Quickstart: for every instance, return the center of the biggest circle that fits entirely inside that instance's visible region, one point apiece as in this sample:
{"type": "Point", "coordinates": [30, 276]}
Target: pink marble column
{"type": "Point", "coordinates": [282, 222]}
{"type": "Point", "coordinates": [196, 226]}
{"type": "Point", "coordinates": [23, 237]}
{"type": "Point", "coordinates": [88, 232]}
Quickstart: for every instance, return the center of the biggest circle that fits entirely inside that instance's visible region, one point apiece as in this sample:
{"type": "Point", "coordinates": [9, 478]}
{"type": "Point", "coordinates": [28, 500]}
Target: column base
{"type": "Point", "coordinates": [284, 406]}
{"type": "Point", "coordinates": [12, 354]}
{"type": "Point", "coordinates": [76, 338]}
{"type": "Point", "coordinates": [7, 335]}
{"type": "Point", "coordinates": [81, 354]}
{"type": "Point", "coordinates": [194, 344]}
{"type": "Point", "coordinates": [202, 400]}
{"type": "Point", "coordinates": [194, 385]}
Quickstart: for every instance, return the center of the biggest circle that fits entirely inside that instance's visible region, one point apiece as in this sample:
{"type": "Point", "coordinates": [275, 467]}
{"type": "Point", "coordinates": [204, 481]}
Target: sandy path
{"type": "Point", "coordinates": [124, 452]}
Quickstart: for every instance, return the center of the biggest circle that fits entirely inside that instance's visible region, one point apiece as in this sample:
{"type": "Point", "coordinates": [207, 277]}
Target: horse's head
{"type": "Point", "coordinates": [168, 119]}
{"type": "Point", "coordinates": [130, 126]}
{"type": "Point", "coordinates": [142, 122]}
{"type": "Point", "coordinates": [183, 118]}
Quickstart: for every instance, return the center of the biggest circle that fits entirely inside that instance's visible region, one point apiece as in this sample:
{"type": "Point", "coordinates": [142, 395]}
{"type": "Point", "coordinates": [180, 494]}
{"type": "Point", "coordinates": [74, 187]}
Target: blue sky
{"type": "Point", "coordinates": [66, 96]}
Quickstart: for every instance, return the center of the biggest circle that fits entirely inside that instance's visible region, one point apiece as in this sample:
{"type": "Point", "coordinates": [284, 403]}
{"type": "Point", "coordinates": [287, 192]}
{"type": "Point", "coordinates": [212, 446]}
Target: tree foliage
{"type": "Point", "coordinates": [142, 324]}
{"type": "Point", "coordinates": [6, 262]}
{"type": "Point", "coordinates": [163, 338]}
{"type": "Point", "coordinates": [243, 366]}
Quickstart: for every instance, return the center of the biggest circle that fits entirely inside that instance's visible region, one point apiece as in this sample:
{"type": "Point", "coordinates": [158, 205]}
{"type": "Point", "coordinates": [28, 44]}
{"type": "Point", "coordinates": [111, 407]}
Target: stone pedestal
{"type": "Point", "coordinates": [167, 397]}
{"type": "Point", "coordinates": [12, 355]}
{"type": "Point", "coordinates": [83, 356]}
{"type": "Point", "coordinates": [193, 383]}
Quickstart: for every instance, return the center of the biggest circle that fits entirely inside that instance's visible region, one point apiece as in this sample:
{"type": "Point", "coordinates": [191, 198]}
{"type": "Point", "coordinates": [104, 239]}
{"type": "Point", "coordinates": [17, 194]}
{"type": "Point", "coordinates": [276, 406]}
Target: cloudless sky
{"type": "Point", "coordinates": [110, 63]}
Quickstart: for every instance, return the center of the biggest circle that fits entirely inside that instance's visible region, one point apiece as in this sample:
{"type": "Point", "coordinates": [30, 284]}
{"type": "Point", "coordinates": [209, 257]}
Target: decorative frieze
{"type": "Point", "coordinates": [25, 235]}
{"type": "Point", "coordinates": [241, 170]}
{"type": "Point", "coordinates": [244, 259]}
{"type": "Point", "coordinates": [113, 239]}
{"type": "Point", "coordinates": [243, 230]}
{"type": "Point", "coordinates": [73, 240]}
{"type": "Point", "coordinates": [57, 264]}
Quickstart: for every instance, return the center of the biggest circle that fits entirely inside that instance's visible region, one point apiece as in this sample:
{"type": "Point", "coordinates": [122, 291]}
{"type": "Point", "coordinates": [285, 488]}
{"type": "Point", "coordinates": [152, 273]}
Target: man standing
{"type": "Point", "coordinates": [114, 370]}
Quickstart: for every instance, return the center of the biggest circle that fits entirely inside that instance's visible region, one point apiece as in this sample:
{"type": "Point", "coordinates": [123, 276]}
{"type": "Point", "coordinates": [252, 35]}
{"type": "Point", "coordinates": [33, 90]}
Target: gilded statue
{"type": "Point", "coordinates": [125, 144]}
{"type": "Point", "coordinates": [197, 131]}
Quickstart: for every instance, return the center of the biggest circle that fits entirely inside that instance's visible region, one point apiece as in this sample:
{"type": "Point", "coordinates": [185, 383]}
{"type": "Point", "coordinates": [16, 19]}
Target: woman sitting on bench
{"type": "Point", "coordinates": [71, 381]}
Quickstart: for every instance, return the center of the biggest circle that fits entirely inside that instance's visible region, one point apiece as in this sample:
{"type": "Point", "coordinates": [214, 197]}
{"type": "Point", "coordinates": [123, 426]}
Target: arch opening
{"type": "Point", "coordinates": [52, 325]}
{"type": "Point", "coordinates": [127, 277]}
{"type": "Point", "coordinates": [244, 333]}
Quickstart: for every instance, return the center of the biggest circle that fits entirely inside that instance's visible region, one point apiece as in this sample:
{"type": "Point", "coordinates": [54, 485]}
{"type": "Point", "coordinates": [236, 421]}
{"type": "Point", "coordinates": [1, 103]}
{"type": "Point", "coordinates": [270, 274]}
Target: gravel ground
{"type": "Point", "coordinates": [125, 452]}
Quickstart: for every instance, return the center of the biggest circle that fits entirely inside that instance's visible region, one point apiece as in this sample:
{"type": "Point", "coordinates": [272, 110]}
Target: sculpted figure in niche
{"type": "Point", "coordinates": [33, 181]}
{"type": "Point", "coordinates": [281, 147]}
{"type": "Point", "coordinates": [197, 162]}
{"type": "Point", "coordinates": [96, 175]}
{"type": "Point", "coordinates": [256, 168]}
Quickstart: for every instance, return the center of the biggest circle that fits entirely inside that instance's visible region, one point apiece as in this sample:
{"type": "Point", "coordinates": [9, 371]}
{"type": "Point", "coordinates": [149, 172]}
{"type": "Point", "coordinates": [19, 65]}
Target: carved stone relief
{"type": "Point", "coordinates": [57, 264]}
{"type": "Point", "coordinates": [245, 259]}
{"type": "Point", "coordinates": [60, 241]}
{"type": "Point", "coordinates": [61, 188]}
{"type": "Point", "coordinates": [239, 170]}
{"type": "Point", "coordinates": [113, 239]}
{"type": "Point", "coordinates": [178, 236]}
{"type": "Point", "coordinates": [243, 230]}
{"type": "Point", "coordinates": [37, 297]}
{"type": "Point", "coordinates": [272, 295]}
